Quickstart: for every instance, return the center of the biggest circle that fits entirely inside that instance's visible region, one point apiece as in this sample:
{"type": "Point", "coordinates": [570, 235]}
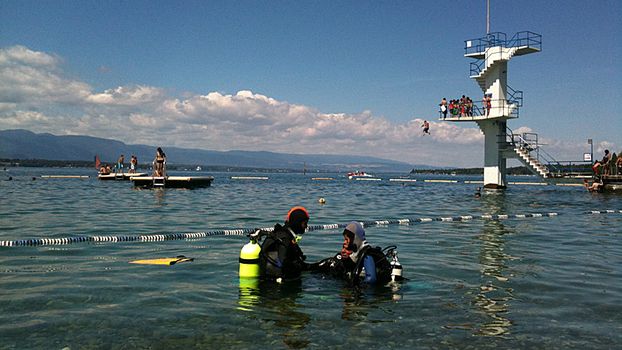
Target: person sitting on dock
{"type": "Point", "coordinates": [159, 163]}
{"type": "Point", "coordinates": [104, 170]}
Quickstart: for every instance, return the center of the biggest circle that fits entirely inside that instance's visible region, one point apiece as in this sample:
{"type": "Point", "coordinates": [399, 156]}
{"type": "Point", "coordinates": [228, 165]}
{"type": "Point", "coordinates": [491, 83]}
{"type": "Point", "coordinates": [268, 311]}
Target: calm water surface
{"type": "Point", "coordinates": [552, 283]}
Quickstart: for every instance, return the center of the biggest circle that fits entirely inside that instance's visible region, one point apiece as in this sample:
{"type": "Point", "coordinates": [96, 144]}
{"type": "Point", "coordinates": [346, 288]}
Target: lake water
{"type": "Point", "coordinates": [545, 282]}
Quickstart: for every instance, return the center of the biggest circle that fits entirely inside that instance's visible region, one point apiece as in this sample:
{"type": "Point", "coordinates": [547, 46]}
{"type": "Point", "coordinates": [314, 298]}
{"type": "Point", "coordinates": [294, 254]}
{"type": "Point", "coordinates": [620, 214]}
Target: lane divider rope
{"type": "Point", "coordinates": [246, 231]}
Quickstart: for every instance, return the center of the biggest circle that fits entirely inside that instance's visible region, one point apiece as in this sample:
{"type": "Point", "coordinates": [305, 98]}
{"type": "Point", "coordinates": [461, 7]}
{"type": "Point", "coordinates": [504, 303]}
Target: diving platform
{"type": "Point", "coordinates": [522, 43]}
{"type": "Point", "coordinates": [172, 181]}
{"type": "Point", "coordinates": [119, 176]}
{"type": "Point", "coordinates": [500, 102]}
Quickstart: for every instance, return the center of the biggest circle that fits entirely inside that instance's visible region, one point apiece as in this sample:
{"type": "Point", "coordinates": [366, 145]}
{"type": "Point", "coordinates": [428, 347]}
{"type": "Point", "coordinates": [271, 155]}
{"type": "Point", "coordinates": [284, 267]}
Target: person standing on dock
{"type": "Point", "coordinates": [133, 164]}
{"type": "Point", "coordinates": [120, 162]}
{"type": "Point", "coordinates": [605, 162]}
{"type": "Point", "coordinates": [159, 163]}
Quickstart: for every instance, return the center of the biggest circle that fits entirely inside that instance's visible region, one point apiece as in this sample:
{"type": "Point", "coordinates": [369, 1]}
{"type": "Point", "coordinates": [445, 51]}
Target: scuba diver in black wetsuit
{"type": "Point", "coordinates": [359, 263]}
{"type": "Point", "coordinates": [280, 258]}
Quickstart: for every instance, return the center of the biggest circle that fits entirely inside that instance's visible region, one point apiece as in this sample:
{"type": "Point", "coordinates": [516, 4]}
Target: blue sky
{"type": "Point", "coordinates": [338, 77]}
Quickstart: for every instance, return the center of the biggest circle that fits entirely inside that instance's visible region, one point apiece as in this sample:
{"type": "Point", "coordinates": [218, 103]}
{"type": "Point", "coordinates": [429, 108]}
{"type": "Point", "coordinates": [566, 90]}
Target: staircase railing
{"type": "Point", "coordinates": [515, 96]}
{"type": "Point", "coordinates": [529, 142]}
{"type": "Point", "coordinates": [475, 67]}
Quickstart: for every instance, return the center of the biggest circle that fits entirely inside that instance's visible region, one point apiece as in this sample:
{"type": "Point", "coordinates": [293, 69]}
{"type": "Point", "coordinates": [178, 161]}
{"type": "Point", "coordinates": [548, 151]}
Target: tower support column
{"type": "Point", "coordinates": [494, 160]}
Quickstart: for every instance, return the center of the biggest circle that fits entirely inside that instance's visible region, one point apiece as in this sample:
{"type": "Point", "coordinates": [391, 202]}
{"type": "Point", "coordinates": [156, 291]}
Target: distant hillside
{"type": "Point", "coordinates": [23, 144]}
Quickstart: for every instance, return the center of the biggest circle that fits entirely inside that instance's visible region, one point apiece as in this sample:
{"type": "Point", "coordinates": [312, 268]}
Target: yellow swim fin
{"type": "Point", "coordinates": [163, 261]}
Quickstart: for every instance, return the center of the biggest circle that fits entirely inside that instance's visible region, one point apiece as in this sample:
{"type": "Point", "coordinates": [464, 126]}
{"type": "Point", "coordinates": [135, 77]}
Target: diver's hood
{"type": "Point", "coordinates": [359, 241]}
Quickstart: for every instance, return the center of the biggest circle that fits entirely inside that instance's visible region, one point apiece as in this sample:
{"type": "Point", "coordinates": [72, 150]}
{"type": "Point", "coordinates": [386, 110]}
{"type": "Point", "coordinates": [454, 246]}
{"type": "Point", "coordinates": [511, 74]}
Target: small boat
{"type": "Point", "coordinates": [358, 175]}
{"type": "Point", "coordinates": [199, 168]}
{"type": "Point", "coordinates": [119, 176]}
{"type": "Point", "coordinates": [172, 181]}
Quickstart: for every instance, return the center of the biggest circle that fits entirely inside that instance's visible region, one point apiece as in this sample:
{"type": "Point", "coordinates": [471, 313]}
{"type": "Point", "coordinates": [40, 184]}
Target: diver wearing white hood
{"type": "Point", "coordinates": [357, 262]}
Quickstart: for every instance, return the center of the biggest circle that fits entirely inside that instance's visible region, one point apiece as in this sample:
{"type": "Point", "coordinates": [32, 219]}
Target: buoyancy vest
{"type": "Point", "coordinates": [353, 273]}
{"type": "Point", "coordinates": [280, 255]}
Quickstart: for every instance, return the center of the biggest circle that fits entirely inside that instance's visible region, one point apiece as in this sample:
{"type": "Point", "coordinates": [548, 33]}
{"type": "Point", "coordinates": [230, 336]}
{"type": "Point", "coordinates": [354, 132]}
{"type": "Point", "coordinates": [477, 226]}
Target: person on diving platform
{"type": "Point", "coordinates": [358, 262]}
{"type": "Point", "coordinates": [280, 258]}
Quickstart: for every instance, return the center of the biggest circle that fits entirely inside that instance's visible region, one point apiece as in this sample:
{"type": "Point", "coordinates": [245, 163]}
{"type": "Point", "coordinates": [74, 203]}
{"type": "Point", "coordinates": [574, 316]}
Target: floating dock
{"type": "Point", "coordinates": [612, 182]}
{"type": "Point", "coordinates": [119, 176]}
{"type": "Point", "coordinates": [249, 178]}
{"type": "Point", "coordinates": [172, 181]}
{"type": "Point", "coordinates": [65, 176]}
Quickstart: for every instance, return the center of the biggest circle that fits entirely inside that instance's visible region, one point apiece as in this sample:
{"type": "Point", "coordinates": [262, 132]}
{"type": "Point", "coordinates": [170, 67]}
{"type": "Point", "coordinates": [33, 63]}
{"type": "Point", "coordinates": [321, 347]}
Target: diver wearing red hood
{"type": "Point", "coordinates": [281, 259]}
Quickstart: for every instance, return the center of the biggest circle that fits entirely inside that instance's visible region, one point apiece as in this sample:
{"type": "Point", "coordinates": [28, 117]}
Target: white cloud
{"type": "Point", "coordinates": [32, 78]}
{"type": "Point", "coordinates": [127, 96]}
{"type": "Point", "coordinates": [36, 95]}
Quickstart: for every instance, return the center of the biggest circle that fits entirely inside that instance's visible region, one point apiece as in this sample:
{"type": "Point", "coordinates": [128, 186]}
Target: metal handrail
{"type": "Point", "coordinates": [476, 67]}
{"type": "Point", "coordinates": [559, 168]}
{"type": "Point", "coordinates": [529, 142]}
{"type": "Point", "coordinates": [520, 39]}
{"type": "Point", "coordinates": [526, 39]}
{"type": "Point", "coordinates": [478, 111]}
{"type": "Point", "coordinates": [515, 96]}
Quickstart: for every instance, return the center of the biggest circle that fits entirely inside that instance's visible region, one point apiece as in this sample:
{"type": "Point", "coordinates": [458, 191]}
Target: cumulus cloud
{"type": "Point", "coordinates": [35, 94]}
{"type": "Point", "coordinates": [32, 78]}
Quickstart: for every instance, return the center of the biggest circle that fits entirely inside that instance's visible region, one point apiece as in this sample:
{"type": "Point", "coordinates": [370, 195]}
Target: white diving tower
{"type": "Point", "coordinates": [490, 70]}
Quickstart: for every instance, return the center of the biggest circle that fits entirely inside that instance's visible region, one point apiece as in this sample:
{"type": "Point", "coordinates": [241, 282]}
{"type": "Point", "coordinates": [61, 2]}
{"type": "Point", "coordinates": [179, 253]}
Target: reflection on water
{"type": "Point", "coordinates": [357, 302]}
{"type": "Point", "coordinates": [493, 297]}
{"type": "Point", "coordinates": [276, 305]}
{"type": "Point", "coordinates": [159, 195]}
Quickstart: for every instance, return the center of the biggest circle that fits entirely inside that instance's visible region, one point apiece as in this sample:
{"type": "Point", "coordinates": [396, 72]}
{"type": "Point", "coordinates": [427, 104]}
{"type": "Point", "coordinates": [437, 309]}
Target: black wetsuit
{"type": "Point", "coordinates": [280, 256]}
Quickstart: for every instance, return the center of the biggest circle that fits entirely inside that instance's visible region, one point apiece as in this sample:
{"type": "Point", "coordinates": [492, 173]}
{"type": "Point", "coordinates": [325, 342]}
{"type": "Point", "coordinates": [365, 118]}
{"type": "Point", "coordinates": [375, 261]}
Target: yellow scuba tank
{"type": "Point", "coordinates": [249, 259]}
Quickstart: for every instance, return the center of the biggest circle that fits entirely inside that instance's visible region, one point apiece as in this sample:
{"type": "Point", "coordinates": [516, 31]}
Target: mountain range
{"type": "Point", "coordinates": [24, 144]}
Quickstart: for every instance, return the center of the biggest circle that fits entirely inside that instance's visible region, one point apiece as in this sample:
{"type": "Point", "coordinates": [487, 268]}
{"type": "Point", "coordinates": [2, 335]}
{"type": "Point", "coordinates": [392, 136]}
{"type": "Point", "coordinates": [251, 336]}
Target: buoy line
{"type": "Point", "coordinates": [246, 231]}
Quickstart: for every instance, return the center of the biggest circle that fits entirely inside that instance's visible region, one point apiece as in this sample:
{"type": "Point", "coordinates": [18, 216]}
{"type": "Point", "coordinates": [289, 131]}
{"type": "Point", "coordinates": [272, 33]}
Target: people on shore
{"type": "Point", "coordinates": [281, 258]}
{"type": "Point", "coordinates": [159, 163]}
